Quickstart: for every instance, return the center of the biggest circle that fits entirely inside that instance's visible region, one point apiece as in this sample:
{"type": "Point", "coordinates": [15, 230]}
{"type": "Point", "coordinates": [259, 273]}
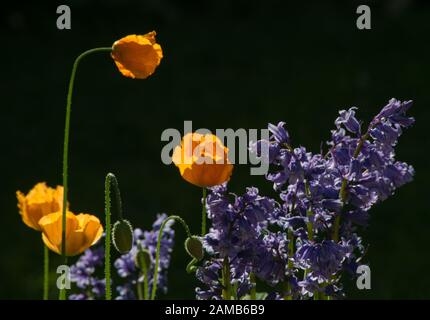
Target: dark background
{"type": "Point", "coordinates": [228, 64]}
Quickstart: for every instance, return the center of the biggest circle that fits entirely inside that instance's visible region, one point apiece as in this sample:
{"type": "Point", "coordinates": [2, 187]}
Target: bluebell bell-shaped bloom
{"type": "Point", "coordinates": [323, 259]}
{"type": "Point", "coordinates": [349, 121]}
{"type": "Point", "coordinates": [279, 133]}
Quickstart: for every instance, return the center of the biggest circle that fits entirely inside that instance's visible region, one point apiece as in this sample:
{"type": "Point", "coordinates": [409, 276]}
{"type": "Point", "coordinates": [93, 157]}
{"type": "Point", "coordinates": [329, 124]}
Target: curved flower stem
{"type": "Point", "coordinates": [66, 148]}
{"type": "Point", "coordinates": [204, 212]}
{"type": "Point", "coordinates": [190, 266]}
{"type": "Point", "coordinates": [45, 273]}
{"type": "Point", "coordinates": [157, 253]}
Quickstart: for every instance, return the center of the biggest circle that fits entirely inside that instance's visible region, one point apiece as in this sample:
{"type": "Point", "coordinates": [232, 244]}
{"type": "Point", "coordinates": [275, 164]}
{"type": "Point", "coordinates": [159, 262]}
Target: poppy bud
{"type": "Point", "coordinates": [122, 236]}
{"type": "Point", "coordinates": [137, 56]}
{"type": "Point", "coordinates": [194, 247]}
{"type": "Point", "coordinates": [142, 256]}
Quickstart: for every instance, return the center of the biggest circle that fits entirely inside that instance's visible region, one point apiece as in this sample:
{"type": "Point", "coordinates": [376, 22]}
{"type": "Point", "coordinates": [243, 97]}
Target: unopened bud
{"type": "Point", "coordinates": [122, 236]}
{"type": "Point", "coordinates": [194, 247]}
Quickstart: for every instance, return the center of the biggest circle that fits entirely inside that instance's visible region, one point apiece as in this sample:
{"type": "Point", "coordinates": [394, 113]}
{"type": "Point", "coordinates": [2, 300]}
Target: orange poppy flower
{"type": "Point", "coordinates": [82, 231]}
{"type": "Point", "coordinates": [137, 56]}
{"type": "Point", "coordinates": [40, 201]}
{"type": "Point", "coordinates": [203, 160]}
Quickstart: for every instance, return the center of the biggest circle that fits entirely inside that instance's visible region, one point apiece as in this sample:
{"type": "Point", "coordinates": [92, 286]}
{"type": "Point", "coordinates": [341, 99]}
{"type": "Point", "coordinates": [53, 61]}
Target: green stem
{"type": "Point", "coordinates": [290, 236]}
{"type": "Point", "coordinates": [110, 180]}
{"type": "Point", "coordinates": [108, 291]}
{"type": "Point", "coordinates": [316, 295]}
{"type": "Point", "coordinates": [190, 266]}
{"type": "Point", "coordinates": [143, 293]}
{"type": "Point", "coordinates": [157, 253]}
{"type": "Point", "coordinates": [204, 212]}
{"type": "Point", "coordinates": [63, 294]}
{"type": "Point", "coordinates": [342, 192]}
{"type": "Point", "coordinates": [145, 281]}
{"type": "Point", "coordinates": [226, 291]}
{"type": "Point", "coordinates": [139, 291]}
{"type": "Point", "coordinates": [45, 273]}
{"type": "Point", "coordinates": [309, 213]}
{"type": "Point", "coordinates": [254, 286]}
{"type": "Point", "coordinates": [66, 149]}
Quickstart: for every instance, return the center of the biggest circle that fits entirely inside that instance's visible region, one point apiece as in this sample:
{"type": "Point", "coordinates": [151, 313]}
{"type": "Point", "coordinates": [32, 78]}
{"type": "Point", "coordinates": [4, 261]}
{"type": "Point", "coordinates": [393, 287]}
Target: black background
{"type": "Point", "coordinates": [228, 64]}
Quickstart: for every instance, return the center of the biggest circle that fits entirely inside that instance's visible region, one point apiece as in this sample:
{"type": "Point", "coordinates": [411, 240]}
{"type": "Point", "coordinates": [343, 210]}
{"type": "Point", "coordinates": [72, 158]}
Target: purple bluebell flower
{"type": "Point", "coordinates": [348, 119]}
{"type": "Point", "coordinates": [323, 259]}
{"type": "Point", "coordinates": [362, 165]}
{"type": "Point", "coordinates": [240, 234]}
{"type": "Point", "coordinates": [83, 272]}
{"type": "Point", "coordinates": [125, 264]}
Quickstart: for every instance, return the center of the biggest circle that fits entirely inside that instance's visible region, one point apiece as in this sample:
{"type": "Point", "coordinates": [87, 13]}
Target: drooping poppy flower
{"type": "Point", "coordinates": [203, 160]}
{"type": "Point", "coordinates": [39, 202]}
{"type": "Point", "coordinates": [137, 56]}
{"type": "Point", "coordinates": [82, 231]}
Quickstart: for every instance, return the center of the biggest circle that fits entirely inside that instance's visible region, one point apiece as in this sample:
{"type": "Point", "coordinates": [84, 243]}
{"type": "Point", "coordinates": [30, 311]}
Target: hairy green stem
{"type": "Point", "coordinates": [157, 253]}
{"type": "Point", "coordinates": [66, 150]}
{"type": "Point", "coordinates": [45, 273]}
{"type": "Point", "coordinates": [110, 180]}
{"type": "Point", "coordinates": [108, 291]}
{"type": "Point", "coordinates": [204, 212]}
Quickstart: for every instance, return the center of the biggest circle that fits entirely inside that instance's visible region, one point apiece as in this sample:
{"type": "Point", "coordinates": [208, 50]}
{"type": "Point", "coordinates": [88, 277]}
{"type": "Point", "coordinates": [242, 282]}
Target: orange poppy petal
{"type": "Point", "coordinates": [137, 56]}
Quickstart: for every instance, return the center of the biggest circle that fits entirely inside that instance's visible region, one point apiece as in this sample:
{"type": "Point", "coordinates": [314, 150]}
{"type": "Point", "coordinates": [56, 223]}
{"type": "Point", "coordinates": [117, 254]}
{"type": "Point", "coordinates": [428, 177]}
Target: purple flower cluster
{"type": "Point", "coordinates": [236, 237]}
{"type": "Point", "coordinates": [126, 266]}
{"type": "Point", "coordinates": [302, 244]}
{"type": "Point", "coordinates": [84, 272]}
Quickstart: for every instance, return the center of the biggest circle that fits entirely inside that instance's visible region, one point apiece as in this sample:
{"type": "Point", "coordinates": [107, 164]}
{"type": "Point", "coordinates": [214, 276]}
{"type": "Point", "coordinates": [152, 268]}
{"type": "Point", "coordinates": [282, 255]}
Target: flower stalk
{"type": "Point", "coordinates": [342, 192]}
{"type": "Point", "coordinates": [142, 262]}
{"type": "Point", "coordinates": [157, 254]}
{"type": "Point", "coordinates": [110, 180]}
{"type": "Point", "coordinates": [66, 149]}
{"type": "Point", "coordinates": [45, 273]}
